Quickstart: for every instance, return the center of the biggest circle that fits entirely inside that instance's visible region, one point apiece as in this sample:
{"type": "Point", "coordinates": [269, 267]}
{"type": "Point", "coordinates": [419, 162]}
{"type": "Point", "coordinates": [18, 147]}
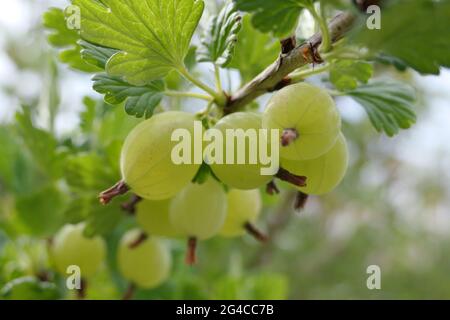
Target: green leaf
{"type": "Point", "coordinates": [64, 38]}
{"type": "Point", "coordinates": [96, 55]}
{"type": "Point", "coordinates": [388, 104]}
{"type": "Point", "coordinates": [346, 74]}
{"type": "Point", "coordinates": [277, 16]}
{"type": "Point", "coordinates": [417, 33]}
{"type": "Point", "coordinates": [220, 37]}
{"type": "Point", "coordinates": [41, 144]}
{"type": "Point", "coordinates": [87, 116]}
{"type": "Point", "coordinates": [202, 174]}
{"type": "Point", "coordinates": [254, 51]}
{"type": "Point", "coordinates": [140, 100]}
{"type": "Point", "coordinates": [152, 36]}
{"type": "Point", "coordinates": [41, 213]}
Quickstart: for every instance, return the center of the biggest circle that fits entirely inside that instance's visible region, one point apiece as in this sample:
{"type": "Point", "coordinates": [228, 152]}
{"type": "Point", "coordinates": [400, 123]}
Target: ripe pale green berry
{"type": "Point", "coordinates": [307, 118]}
{"type": "Point", "coordinates": [323, 173]}
{"type": "Point", "coordinates": [244, 207]}
{"type": "Point", "coordinates": [146, 163]}
{"type": "Point", "coordinates": [241, 176]}
{"type": "Point", "coordinates": [146, 265]}
{"type": "Point", "coordinates": [153, 217]}
{"type": "Point", "coordinates": [71, 247]}
{"type": "Point", "coordinates": [198, 212]}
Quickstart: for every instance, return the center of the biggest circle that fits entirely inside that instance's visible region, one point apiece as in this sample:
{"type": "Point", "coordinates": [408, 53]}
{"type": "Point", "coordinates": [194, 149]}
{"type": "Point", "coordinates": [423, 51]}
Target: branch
{"type": "Point", "coordinates": [271, 78]}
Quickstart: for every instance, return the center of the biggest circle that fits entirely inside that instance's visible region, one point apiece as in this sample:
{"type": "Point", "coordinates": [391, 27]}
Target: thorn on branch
{"type": "Point", "coordinates": [116, 190]}
{"type": "Point", "coordinates": [288, 44]}
{"type": "Point", "coordinates": [284, 175]}
{"type": "Point", "coordinates": [139, 240]}
{"type": "Point", "coordinates": [271, 188]}
{"type": "Point", "coordinates": [255, 232]}
{"type": "Point", "coordinates": [130, 206]}
{"type": "Point", "coordinates": [300, 200]}
{"type": "Point", "coordinates": [311, 54]}
{"type": "Point", "coordinates": [288, 136]}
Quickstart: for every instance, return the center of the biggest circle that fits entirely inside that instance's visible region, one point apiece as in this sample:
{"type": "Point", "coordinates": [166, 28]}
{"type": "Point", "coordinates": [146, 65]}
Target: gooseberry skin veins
{"type": "Point", "coordinates": [324, 173]}
{"type": "Point", "coordinates": [199, 210]}
{"type": "Point", "coordinates": [146, 265]}
{"type": "Point", "coordinates": [311, 112]}
{"type": "Point", "coordinates": [146, 164]}
{"type": "Point", "coordinates": [240, 176]}
{"type": "Point", "coordinates": [71, 247]}
{"type": "Point", "coordinates": [244, 206]}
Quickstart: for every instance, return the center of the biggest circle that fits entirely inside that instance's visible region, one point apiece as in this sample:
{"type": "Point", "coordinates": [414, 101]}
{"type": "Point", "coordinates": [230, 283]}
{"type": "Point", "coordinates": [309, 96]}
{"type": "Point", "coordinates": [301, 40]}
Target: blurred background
{"type": "Point", "coordinates": [58, 139]}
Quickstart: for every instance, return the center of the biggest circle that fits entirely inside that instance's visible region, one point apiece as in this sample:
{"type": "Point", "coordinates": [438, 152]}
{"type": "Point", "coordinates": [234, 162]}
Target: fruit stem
{"type": "Point", "coordinates": [283, 174]}
{"type": "Point", "coordinates": [219, 98]}
{"type": "Point", "coordinates": [271, 188]}
{"type": "Point", "coordinates": [255, 232]}
{"type": "Point", "coordinates": [129, 293]}
{"type": "Point", "coordinates": [191, 248]}
{"type": "Point", "coordinates": [288, 136]}
{"type": "Point", "coordinates": [303, 74]}
{"type": "Point", "coordinates": [300, 200]}
{"type": "Point", "coordinates": [139, 240]}
{"type": "Point", "coordinates": [187, 95]}
{"type": "Point", "coordinates": [130, 206]}
{"type": "Point", "coordinates": [81, 293]}
{"type": "Point", "coordinates": [116, 190]}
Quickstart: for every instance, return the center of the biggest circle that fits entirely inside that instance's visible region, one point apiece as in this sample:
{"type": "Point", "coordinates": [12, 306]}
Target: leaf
{"type": "Point", "coordinates": [64, 38]}
{"type": "Point", "coordinates": [41, 144]}
{"type": "Point", "coordinates": [346, 74]}
{"type": "Point", "coordinates": [41, 213]}
{"type": "Point", "coordinates": [388, 104]}
{"type": "Point", "coordinates": [220, 37]}
{"type": "Point", "coordinates": [277, 16]}
{"type": "Point", "coordinates": [96, 55]}
{"type": "Point", "coordinates": [414, 32]}
{"type": "Point", "coordinates": [140, 100]}
{"type": "Point", "coordinates": [254, 51]}
{"type": "Point", "coordinates": [87, 116]}
{"type": "Point", "coordinates": [152, 36]}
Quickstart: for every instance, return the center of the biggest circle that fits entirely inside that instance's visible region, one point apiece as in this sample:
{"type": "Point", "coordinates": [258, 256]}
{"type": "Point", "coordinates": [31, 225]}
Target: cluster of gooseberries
{"type": "Point", "coordinates": [170, 203]}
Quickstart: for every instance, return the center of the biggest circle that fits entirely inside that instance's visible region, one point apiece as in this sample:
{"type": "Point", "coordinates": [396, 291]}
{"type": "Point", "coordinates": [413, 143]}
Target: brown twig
{"type": "Point", "coordinates": [130, 206]}
{"type": "Point", "coordinates": [287, 63]}
{"type": "Point", "coordinates": [129, 293]}
{"type": "Point", "coordinates": [191, 257]}
{"type": "Point", "coordinates": [280, 219]}
{"type": "Point", "coordinates": [284, 175]}
{"type": "Point", "coordinates": [300, 200]}
{"type": "Point", "coordinates": [271, 188]}
{"type": "Point", "coordinates": [139, 240]}
{"type": "Point", "coordinates": [255, 232]}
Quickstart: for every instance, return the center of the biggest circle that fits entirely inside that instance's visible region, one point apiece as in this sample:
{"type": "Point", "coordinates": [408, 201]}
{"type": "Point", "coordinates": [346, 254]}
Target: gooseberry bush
{"type": "Point", "coordinates": [167, 65]}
